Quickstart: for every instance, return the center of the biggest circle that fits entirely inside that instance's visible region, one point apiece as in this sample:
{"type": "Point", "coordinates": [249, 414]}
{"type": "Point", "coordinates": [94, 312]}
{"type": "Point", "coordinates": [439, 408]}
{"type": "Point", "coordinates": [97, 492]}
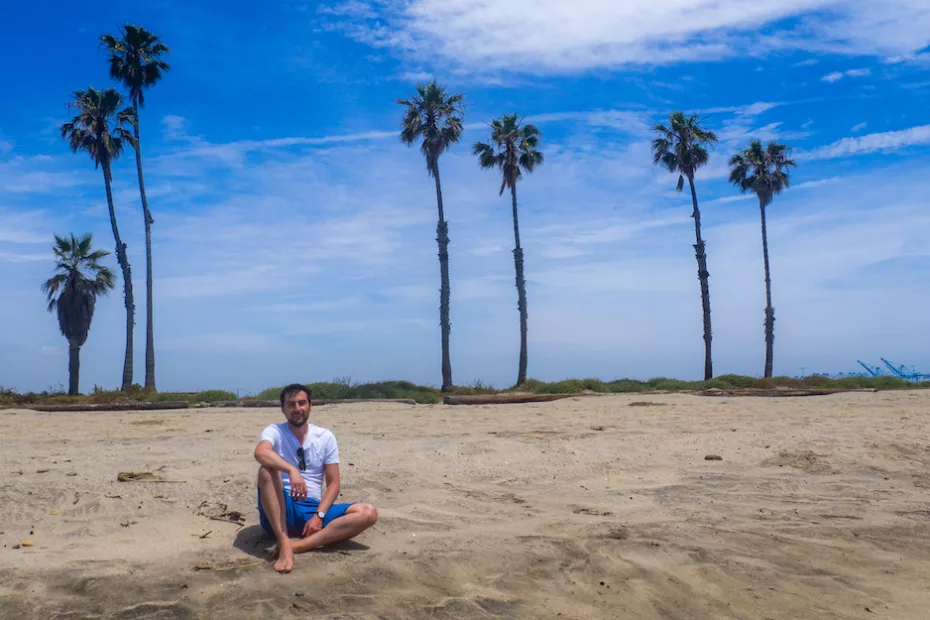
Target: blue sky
{"type": "Point", "coordinates": [295, 235]}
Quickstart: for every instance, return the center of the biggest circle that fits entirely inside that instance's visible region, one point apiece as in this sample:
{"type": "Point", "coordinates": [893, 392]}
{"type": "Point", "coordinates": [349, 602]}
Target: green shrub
{"type": "Point", "coordinates": [594, 385]}
{"type": "Point", "coordinates": [738, 381]}
{"type": "Point", "coordinates": [622, 386]}
{"type": "Point", "coordinates": [530, 385]}
{"type": "Point", "coordinates": [568, 386]}
{"type": "Point", "coordinates": [212, 396]}
{"type": "Point", "coordinates": [673, 385]}
{"type": "Point", "coordinates": [343, 390]}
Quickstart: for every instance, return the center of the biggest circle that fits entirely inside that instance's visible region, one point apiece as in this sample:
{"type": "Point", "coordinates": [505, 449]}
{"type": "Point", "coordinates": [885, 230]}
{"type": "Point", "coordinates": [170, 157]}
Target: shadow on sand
{"type": "Point", "coordinates": [256, 542]}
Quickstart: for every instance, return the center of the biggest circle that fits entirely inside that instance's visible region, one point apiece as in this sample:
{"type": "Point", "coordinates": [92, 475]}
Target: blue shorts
{"type": "Point", "coordinates": [297, 513]}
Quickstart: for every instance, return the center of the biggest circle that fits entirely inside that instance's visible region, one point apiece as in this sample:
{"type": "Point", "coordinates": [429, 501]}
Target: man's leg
{"type": "Point", "coordinates": [357, 519]}
{"type": "Point", "coordinates": [275, 508]}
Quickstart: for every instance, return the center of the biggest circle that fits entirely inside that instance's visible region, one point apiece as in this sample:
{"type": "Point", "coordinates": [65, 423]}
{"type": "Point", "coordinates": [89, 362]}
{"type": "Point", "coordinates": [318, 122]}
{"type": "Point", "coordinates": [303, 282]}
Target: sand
{"type": "Point", "coordinates": [598, 507]}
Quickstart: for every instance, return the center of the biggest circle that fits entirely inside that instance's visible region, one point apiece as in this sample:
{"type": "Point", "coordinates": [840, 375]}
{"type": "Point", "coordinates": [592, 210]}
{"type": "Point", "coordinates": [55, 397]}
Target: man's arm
{"type": "Point", "coordinates": [331, 476]}
{"type": "Point", "coordinates": [268, 458]}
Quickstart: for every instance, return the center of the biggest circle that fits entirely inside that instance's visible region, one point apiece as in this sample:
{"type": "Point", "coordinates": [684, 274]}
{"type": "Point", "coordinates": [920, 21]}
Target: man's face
{"type": "Point", "coordinates": [297, 408]}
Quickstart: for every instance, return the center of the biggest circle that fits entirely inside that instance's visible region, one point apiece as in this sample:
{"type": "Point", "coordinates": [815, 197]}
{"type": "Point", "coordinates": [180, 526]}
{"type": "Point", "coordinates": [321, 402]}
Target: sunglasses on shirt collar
{"type": "Point", "coordinates": [302, 464]}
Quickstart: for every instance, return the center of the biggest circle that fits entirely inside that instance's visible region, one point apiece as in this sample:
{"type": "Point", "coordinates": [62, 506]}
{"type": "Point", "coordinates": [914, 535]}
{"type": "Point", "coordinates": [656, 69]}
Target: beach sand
{"type": "Point", "coordinates": [592, 507]}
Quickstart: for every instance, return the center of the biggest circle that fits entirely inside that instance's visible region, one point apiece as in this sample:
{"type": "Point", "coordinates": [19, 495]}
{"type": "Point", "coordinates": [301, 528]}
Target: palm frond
{"type": "Point", "coordinates": [135, 60]}
{"type": "Point", "coordinates": [762, 170]}
{"type": "Point", "coordinates": [512, 148]}
{"type": "Point", "coordinates": [434, 117]}
{"type": "Point", "coordinates": [78, 280]}
{"type": "Point", "coordinates": [680, 145]}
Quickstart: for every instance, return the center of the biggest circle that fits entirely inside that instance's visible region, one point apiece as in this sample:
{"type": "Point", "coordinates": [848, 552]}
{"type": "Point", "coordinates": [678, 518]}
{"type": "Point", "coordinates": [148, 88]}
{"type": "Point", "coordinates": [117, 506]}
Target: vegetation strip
{"type": "Point", "coordinates": [344, 390]}
{"type": "Point", "coordinates": [508, 398]}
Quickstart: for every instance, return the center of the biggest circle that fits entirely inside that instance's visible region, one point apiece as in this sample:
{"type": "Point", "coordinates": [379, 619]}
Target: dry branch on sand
{"type": "Point", "coordinates": [507, 398]}
{"type": "Point", "coordinates": [782, 392]}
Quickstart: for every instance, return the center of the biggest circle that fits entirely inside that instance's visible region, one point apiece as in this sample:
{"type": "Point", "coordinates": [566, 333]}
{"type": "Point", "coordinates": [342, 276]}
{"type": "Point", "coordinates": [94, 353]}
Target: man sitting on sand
{"type": "Point", "coordinates": [295, 458]}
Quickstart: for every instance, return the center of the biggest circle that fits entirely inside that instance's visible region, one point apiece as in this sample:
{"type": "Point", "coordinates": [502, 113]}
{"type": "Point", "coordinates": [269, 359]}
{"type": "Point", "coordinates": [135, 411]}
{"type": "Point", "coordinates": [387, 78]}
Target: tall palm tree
{"type": "Point", "coordinates": [763, 171]}
{"type": "Point", "coordinates": [512, 148]}
{"type": "Point", "coordinates": [100, 130]}
{"type": "Point", "coordinates": [73, 292]}
{"type": "Point", "coordinates": [680, 147]}
{"type": "Point", "coordinates": [135, 61]}
{"type": "Point", "coordinates": [436, 117]}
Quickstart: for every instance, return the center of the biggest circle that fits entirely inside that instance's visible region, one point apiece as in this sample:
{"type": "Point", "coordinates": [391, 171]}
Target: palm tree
{"type": "Point", "coordinates": [765, 172]}
{"type": "Point", "coordinates": [135, 62]}
{"type": "Point", "coordinates": [679, 147]}
{"type": "Point", "coordinates": [436, 117]}
{"type": "Point", "coordinates": [99, 129]}
{"type": "Point", "coordinates": [73, 291]}
{"type": "Point", "coordinates": [512, 148]}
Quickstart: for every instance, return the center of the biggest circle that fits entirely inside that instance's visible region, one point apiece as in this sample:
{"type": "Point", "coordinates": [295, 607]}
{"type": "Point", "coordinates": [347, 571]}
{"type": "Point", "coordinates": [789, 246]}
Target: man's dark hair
{"type": "Point", "coordinates": [293, 388]}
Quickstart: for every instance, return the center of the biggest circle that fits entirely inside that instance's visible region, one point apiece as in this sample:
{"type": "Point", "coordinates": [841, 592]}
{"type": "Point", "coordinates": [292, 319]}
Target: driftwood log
{"type": "Point", "coordinates": [125, 406]}
{"type": "Point", "coordinates": [506, 398]}
{"type": "Point", "coordinates": [183, 404]}
{"type": "Point", "coordinates": [316, 402]}
{"type": "Point", "coordinates": [785, 392]}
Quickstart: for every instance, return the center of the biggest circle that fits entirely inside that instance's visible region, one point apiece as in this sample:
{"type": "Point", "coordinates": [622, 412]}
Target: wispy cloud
{"type": "Point", "coordinates": [836, 76]}
{"type": "Point", "coordinates": [859, 126]}
{"type": "Point", "coordinates": [174, 127]}
{"type": "Point", "coordinates": [630, 121]}
{"type": "Point", "coordinates": [871, 143]}
{"type": "Point", "coordinates": [560, 37]}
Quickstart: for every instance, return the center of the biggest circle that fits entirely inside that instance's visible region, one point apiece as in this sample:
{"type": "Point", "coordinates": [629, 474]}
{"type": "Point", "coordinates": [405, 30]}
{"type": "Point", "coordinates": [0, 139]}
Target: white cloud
{"type": "Point", "coordinates": [871, 143]}
{"type": "Point", "coordinates": [562, 252]}
{"type": "Point", "coordinates": [556, 36]}
{"type": "Point", "coordinates": [629, 121]}
{"type": "Point", "coordinates": [24, 258]}
{"type": "Point", "coordinates": [415, 76]}
{"type": "Point", "coordinates": [836, 76]}
{"type": "Point", "coordinates": [817, 183]}
{"type": "Point", "coordinates": [859, 126]}
{"type": "Point", "coordinates": [22, 227]}
{"type": "Point", "coordinates": [485, 250]}
{"type": "Point", "coordinates": [174, 127]}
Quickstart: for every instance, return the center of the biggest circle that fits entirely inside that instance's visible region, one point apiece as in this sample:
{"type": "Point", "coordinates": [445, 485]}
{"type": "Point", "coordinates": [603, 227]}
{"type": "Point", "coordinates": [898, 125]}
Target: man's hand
{"type": "Point", "coordinates": [313, 526]}
{"type": "Point", "coordinates": [298, 485]}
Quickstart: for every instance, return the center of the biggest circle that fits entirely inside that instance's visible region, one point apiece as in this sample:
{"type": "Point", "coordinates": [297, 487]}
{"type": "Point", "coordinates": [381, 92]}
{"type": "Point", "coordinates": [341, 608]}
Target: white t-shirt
{"type": "Point", "coordinates": [319, 449]}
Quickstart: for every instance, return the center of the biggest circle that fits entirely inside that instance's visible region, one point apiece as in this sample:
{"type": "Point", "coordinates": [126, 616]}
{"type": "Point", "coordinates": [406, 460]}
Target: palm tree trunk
{"type": "Point", "coordinates": [123, 261]}
{"type": "Point", "coordinates": [442, 238]}
{"type": "Point", "coordinates": [703, 276]}
{"type": "Point", "coordinates": [521, 287]}
{"type": "Point", "coordinates": [149, 220]}
{"type": "Point", "coordinates": [769, 310]}
{"type": "Point", "coordinates": [74, 368]}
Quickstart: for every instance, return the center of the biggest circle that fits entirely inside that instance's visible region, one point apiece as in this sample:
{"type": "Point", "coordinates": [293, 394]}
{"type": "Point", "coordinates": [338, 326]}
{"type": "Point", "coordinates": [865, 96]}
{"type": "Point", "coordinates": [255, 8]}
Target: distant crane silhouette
{"type": "Point", "coordinates": [902, 372]}
{"type": "Point", "coordinates": [875, 371]}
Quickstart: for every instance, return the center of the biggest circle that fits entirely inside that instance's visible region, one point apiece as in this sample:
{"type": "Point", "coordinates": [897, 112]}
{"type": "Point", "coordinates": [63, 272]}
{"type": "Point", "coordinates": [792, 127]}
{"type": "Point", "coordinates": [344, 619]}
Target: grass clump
{"type": "Point", "coordinates": [625, 386]}
{"type": "Point", "coordinates": [568, 386]}
{"type": "Point", "coordinates": [664, 384]}
{"type": "Point", "coordinates": [530, 385]}
{"type": "Point", "coordinates": [346, 390]}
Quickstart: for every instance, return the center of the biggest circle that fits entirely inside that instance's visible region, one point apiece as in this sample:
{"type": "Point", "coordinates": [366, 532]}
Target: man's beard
{"type": "Point", "coordinates": [300, 422]}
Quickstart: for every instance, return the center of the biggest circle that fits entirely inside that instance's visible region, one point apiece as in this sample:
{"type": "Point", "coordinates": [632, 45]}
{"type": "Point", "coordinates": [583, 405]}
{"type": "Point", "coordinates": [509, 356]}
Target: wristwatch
{"type": "Point", "coordinates": [321, 515]}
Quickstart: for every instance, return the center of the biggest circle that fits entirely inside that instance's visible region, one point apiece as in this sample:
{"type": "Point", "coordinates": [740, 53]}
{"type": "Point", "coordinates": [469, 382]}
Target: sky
{"type": "Point", "coordinates": [294, 235]}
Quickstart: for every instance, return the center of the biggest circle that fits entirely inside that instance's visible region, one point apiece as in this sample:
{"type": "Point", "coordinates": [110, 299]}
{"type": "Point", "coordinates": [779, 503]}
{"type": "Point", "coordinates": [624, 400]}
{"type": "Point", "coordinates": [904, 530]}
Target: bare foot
{"type": "Point", "coordinates": [285, 555]}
